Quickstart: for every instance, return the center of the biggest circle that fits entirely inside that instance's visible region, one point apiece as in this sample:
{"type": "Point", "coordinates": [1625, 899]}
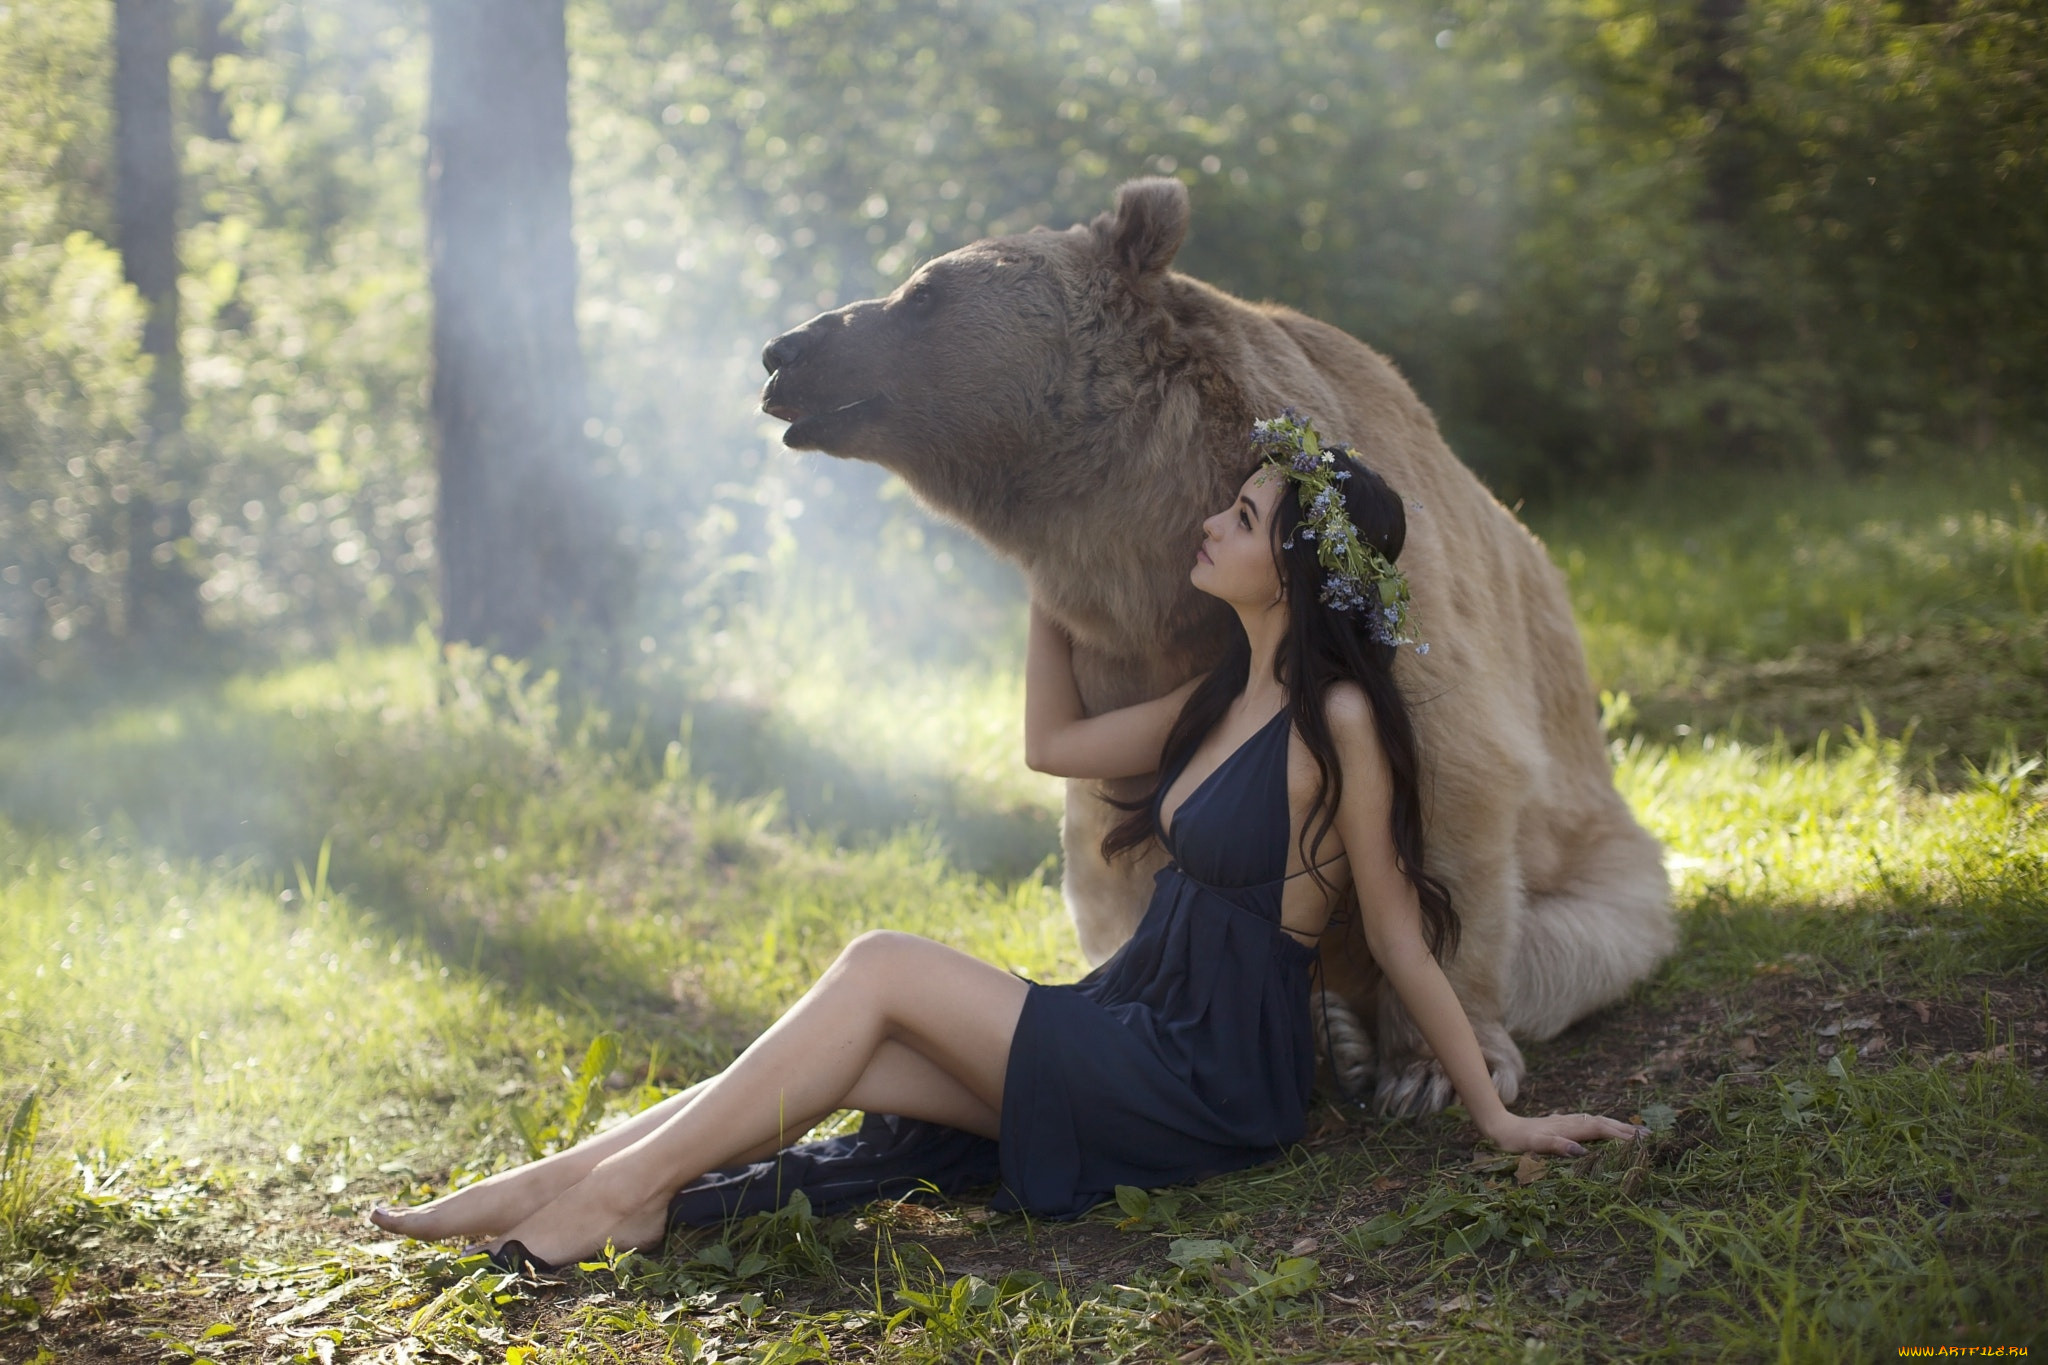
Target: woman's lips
{"type": "Point", "coordinates": [1202, 553]}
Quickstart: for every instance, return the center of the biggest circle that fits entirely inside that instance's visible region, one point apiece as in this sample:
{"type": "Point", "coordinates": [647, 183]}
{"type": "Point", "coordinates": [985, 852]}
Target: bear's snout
{"type": "Point", "coordinates": [783, 358]}
{"type": "Point", "coordinates": [785, 350]}
{"type": "Point", "coordinates": [822, 380]}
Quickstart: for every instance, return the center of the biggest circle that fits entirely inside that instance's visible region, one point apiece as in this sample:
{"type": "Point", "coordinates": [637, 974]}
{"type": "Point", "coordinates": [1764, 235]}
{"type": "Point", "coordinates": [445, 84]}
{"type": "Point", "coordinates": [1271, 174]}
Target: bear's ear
{"type": "Point", "coordinates": [1147, 227]}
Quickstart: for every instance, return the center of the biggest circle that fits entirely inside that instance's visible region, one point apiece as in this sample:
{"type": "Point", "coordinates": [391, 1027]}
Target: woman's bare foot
{"type": "Point", "coordinates": [577, 1225]}
{"type": "Point", "coordinates": [484, 1209]}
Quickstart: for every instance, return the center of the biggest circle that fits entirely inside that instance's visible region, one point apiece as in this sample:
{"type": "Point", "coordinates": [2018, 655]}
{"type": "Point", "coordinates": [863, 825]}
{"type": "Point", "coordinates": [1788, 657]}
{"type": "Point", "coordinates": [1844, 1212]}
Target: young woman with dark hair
{"type": "Point", "coordinates": [1189, 1051]}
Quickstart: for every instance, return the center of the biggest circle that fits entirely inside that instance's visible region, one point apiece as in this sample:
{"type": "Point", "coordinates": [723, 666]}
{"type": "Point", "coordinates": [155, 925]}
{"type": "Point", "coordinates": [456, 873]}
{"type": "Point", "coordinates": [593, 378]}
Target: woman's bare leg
{"type": "Point", "coordinates": [497, 1202]}
{"type": "Point", "coordinates": [949, 1007]}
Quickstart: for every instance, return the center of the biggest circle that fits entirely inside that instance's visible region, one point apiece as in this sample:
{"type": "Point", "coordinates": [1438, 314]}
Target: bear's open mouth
{"type": "Point", "coordinates": [816, 430]}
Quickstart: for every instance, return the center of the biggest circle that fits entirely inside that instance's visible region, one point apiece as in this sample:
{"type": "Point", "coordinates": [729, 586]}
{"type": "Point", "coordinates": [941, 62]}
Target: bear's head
{"type": "Point", "coordinates": [1007, 377]}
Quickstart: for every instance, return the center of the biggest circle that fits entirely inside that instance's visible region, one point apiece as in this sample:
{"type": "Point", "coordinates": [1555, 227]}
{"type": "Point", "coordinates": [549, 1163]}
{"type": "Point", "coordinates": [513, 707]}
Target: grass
{"type": "Point", "coordinates": [374, 925]}
{"type": "Point", "coordinates": [1767, 604]}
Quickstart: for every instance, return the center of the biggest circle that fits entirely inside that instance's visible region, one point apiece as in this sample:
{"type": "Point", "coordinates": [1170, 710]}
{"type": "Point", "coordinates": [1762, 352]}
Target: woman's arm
{"type": "Point", "coordinates": [1060, 740]}
{"type": "Point", "coordinates": [1391, 915]}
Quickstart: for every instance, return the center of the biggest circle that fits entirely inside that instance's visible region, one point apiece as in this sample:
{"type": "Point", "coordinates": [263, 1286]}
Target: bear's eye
{"type": "Point", "coordinates": [922, 296]}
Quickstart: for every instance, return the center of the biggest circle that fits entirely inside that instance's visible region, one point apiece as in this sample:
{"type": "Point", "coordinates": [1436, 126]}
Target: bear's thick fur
{"type": "Point", "coordinates": [1081, 407]}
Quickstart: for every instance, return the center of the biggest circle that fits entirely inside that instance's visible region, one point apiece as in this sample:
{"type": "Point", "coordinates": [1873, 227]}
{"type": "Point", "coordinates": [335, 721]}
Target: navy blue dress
{"type": "Point", "coordinates": [1187, 1053]}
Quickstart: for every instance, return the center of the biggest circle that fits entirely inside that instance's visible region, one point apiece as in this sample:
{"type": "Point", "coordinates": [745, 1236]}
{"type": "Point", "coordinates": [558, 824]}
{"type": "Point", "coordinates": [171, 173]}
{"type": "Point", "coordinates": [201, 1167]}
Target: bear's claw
{"type": "Point", "coordinates": [1419, 1087]}
{"type": "Point", "coordinates": [1413, 1090]}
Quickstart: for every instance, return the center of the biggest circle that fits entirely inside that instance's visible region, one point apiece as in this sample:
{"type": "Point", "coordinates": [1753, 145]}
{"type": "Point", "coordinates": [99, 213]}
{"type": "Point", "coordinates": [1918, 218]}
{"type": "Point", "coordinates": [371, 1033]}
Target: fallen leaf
{"type": "Point", "coordinates": [1746, 1045]}
{"type": "Point", "coordinates": [1530, 1169]}
{"type": "Point", "coordinates": [1658, 1118]}
{"type": "Point", "coordinates": [319, 1305]}
{"type": "Point", "coordinates": [1920, 1008]}
{"type": "Point", "coordinates": [1303, 1246]}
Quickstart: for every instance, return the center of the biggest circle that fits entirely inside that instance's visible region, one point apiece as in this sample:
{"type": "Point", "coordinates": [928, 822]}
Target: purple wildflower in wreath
{"type": "Point", "coordinates": [1357, 578]}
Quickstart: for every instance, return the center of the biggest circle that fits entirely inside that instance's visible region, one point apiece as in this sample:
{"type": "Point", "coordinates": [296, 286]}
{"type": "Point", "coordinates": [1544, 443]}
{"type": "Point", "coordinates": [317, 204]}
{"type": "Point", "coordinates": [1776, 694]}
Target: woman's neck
{"type": "Point", "coordinates": [1264, 629]}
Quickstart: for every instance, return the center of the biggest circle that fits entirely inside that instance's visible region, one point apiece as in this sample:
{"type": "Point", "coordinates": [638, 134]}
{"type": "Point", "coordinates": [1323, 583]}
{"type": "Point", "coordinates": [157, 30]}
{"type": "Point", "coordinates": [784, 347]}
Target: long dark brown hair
{"type": "Point", "coordinates": [1322, 646]}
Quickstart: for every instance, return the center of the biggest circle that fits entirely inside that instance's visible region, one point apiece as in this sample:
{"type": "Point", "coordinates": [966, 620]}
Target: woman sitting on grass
{"type": "Point", "coordinates": [1190, 1050]}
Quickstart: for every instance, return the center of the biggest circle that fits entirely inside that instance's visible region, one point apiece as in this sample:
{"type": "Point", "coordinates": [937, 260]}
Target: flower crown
{"type": "Point", "coordinates": [1355, 566]}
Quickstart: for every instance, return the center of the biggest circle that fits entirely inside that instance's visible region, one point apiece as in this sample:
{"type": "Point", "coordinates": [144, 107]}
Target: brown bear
{"type": "Point", "coordinates": [1081, 407]}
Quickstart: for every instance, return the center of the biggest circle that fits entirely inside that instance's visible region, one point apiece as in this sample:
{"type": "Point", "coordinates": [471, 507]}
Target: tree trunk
{"type": "Point", "coordinates": [1721, 88]}
{"type": "Point", "coordinates": [213, 41]}
{"type": "Point", "coordinates": [160, 594]}
{"type": "Point", "coordinates": [526, 557]}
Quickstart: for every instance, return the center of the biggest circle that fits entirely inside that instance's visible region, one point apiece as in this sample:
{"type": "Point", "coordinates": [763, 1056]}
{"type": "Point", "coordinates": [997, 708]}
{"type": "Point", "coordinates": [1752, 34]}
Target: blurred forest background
{"type": "Point", "coordinates": [1607, 240]}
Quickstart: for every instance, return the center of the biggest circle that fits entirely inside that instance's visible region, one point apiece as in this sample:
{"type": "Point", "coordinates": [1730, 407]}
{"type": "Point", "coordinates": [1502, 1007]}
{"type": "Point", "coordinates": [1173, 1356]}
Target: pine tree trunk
{"type": "Point", "coordinates": [526, 558]}
{"type": "Point", "coordinates": [160, 595]}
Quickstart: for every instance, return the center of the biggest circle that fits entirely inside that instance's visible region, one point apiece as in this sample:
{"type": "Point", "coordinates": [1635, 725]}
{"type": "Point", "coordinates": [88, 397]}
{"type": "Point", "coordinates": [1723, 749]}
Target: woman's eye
{"type": "Point", "coordinates": [1244, 521]}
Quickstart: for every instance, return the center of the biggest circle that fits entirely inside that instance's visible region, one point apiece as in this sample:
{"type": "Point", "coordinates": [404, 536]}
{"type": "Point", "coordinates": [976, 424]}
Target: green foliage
{"type": "Point", "coordinates": [581, 1109]}
{"type": "Point", "coordinates": [475, 1300]}
{"type": "Point", "coordinates": [1774, 845]}
{"type": "Point", "coordinates": [198, 1350]}
{"type": "Point", "coordinates": [71, 395]}
{"type": "Point", "coordinates": [1756, 603]}
{"type": "Point", "coordinates": [305, 307]}
{"type": "Point", "coordinates": [18, 1174]}
{"type": "Point", "coordinates": [1214, 1264]}
{"type": "Point", "coordinates": [1147, 1208]}
{"type": "Point", "coordinates": [1600, 237]}
{"type": "Point", "coordinates": [1785, 1253]}
{"type": "Point", "coordinates": [1756, 565]}
{"type": "Point", "coordinates": [787, 1242]}
{"type": "Point", "coordinates": [1456, 1220]}
{"type": "Point", "coordinates": [1804, 233]}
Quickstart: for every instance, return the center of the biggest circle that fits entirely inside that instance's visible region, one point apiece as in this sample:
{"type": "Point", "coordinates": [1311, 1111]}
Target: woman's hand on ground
{"type": "Point", "coordinates": [1559, 1134]}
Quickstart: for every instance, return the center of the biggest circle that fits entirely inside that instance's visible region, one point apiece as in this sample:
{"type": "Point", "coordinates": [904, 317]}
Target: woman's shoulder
{"type": "Point", "coordinates": [1348, 714]}
{"type": "Point", "coordinates": [1346, 707]}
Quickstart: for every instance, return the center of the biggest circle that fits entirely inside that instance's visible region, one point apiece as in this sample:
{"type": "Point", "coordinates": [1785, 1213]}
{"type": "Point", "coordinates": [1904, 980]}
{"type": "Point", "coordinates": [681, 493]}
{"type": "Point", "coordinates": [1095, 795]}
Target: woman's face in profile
{"type": "Point", "coordinates": [1235, 561]}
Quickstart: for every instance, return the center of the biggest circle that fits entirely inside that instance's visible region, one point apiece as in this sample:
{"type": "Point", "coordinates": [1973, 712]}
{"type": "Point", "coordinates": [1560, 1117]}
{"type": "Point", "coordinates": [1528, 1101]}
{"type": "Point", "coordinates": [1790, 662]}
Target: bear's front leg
{"type": "Point", "coordinates": [1105, 900]}
{"type": "Point", "coordinates": [1410, 1082]}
